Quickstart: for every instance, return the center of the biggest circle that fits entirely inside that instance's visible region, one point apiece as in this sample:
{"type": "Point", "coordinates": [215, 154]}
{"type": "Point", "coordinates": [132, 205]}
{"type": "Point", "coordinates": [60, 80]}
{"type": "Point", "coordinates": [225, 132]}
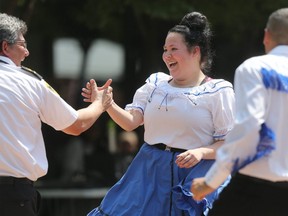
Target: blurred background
{"type": "Point", "coordinates": [71, 41]}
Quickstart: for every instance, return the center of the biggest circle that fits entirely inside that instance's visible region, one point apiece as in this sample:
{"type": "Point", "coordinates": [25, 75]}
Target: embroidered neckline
{"type": "Point", "coordinates": [206, 79]}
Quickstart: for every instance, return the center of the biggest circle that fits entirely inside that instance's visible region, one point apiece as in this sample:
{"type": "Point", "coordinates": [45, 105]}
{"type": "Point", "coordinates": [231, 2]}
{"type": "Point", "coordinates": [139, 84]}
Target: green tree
{"type": "Point", "coordinates": [141, 26]}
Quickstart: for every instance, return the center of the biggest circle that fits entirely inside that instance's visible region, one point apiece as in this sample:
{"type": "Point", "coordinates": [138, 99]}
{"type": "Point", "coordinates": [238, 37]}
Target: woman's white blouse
{"type": "Point", "coordinates": [185, 118]}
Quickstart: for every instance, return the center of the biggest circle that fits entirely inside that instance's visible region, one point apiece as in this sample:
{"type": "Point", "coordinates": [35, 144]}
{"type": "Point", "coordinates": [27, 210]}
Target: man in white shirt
{"type": "Point", "coordinates": [256, 150]}
{"type": "Point", "coordinates": [26, 101]}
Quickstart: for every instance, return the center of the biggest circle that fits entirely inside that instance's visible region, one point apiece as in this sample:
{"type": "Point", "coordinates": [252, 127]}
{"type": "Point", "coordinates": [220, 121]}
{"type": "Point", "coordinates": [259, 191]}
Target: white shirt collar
{"type": "Point", "coordinates": [280, 50]}
{"type": "Point", "coordinates": [7, 60]}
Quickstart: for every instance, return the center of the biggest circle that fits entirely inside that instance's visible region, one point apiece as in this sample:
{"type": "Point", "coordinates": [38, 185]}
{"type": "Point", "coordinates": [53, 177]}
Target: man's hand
{"type": "Point", "coordinates": [200, 189]}
{"type": "Point", "coordinates": [103, 94]}
{"type": "Point", "coordinates": [89, 95]}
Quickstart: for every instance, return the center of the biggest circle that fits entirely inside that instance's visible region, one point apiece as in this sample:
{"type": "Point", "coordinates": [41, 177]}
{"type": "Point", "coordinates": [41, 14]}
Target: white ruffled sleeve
{"type": "Point", "coordinates": [143, 93]}
{"type": "Point", "coordinates": [223, 110]}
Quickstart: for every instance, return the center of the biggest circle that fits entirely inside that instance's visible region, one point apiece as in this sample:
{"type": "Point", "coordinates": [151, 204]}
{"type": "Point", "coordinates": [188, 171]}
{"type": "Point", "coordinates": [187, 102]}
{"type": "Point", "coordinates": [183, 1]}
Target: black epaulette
{"type": "Point", "coordinates": [32, 72]}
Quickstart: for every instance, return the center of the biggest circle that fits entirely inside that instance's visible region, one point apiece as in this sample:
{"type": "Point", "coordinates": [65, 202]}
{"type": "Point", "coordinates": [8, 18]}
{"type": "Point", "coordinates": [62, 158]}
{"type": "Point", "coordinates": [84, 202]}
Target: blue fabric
{"type": "Point", "coordinates": [265, 146]}
{"type": "Point", "coordinates": [273, 80]}
{"type": "Point", "coordinates": [184, 196]}
{"type": "Point", "coordinates": [146, 187]}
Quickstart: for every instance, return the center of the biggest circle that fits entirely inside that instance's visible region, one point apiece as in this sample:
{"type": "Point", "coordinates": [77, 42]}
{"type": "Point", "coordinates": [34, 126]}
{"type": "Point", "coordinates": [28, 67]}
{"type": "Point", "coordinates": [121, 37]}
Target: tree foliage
{"type": "Point", "coordinates": [141, 26]}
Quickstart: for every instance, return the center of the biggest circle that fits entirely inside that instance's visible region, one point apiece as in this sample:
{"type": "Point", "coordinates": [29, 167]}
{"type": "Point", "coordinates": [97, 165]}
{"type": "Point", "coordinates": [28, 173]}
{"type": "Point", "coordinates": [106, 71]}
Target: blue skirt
{"type": "Point", "coordinates": [154, 185]}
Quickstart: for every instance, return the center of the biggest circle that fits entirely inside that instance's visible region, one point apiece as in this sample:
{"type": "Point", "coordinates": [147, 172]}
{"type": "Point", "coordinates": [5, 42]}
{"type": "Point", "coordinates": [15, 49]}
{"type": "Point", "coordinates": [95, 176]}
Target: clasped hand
{"type": "Point", "coordinates": [91, 92]}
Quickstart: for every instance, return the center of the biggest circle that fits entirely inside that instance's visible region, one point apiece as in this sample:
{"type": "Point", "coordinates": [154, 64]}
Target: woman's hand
{"type": "Point", "coordinates": [192, 157]}
{"type": "Point", "coordinates": [103, 94]}
{"type": "Point", "coordinates": [189, 158]}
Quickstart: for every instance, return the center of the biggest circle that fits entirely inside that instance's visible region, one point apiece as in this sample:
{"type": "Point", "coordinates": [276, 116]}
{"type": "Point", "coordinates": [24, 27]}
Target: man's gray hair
{"type": "Point", "coordinates": [10, 28]}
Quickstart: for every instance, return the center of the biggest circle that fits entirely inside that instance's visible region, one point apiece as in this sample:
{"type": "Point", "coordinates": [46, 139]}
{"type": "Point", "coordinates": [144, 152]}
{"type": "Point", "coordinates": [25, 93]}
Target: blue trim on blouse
{"type": "Point", "coordinates": [274, 80]}
{"type": "Point", "coordinates": [155, 81]}
{"type": "Point", "coordinates": [135, 107]}
{"type": "Point", "coordinates": [210, 92]}
{"type": "Point", "coordinates": [219, 136]}
{"type": "Point", "coordinates": [265, 146]}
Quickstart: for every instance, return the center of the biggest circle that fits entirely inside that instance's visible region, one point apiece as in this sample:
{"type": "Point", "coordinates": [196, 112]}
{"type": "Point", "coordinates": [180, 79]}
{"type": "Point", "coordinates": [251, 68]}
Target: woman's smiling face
{"type": "Point", "coordinates": [176, 56]}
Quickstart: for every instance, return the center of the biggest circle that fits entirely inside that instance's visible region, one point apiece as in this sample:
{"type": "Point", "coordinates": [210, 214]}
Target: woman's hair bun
{"type": "Point", "coordinates": [195, 21]}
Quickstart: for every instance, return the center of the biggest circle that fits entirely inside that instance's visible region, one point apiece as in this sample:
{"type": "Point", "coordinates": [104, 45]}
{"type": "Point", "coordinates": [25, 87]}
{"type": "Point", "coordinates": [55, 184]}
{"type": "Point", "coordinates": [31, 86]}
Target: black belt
{"type": "Point", "coordinates": [13, 180]}
{"type": "Point", "coordinates": [164, 147]}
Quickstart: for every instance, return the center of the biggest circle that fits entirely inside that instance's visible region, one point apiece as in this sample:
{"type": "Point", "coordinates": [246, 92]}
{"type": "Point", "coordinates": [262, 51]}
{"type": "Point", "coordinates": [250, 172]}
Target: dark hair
{"type": "Point", "coordinates": [196, 31]}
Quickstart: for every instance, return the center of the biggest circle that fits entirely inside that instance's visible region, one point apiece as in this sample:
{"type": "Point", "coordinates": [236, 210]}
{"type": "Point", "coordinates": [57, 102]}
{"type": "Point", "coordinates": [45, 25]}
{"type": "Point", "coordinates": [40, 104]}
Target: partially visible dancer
{"type": "Point", "coordinates": [257, 148]}
{"type": "Point", "coordinates": [186, 116]}
{"type": "Point", "coordinates": [26, 101]}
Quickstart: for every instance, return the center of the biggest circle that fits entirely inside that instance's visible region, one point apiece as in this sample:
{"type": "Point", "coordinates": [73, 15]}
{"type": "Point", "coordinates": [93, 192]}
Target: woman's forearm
{"type": "Point", "coordinates": [125, 119]}
{"type": "Point", "coordinates": [209, 152]}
